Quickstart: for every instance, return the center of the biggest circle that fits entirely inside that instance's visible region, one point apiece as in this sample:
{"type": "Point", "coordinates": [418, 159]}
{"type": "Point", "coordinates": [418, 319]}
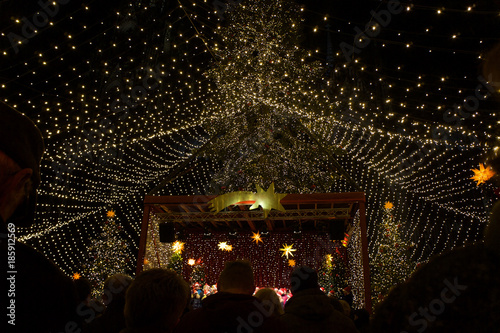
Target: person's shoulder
{"type": "Point", "coordinates": [30, 259]}
{"type": "Point", "coordinates": [189, 321]}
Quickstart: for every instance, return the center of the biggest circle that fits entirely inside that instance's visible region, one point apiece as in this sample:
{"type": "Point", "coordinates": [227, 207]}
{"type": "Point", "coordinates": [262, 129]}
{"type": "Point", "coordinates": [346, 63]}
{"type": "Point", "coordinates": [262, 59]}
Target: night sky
{"type": "Point", "coordinates": [413, 78]}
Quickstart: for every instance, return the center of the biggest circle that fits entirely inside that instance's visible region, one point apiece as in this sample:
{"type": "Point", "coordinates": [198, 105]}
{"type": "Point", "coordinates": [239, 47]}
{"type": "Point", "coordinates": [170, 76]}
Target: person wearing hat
{"type": "Point", "coordinates": [347, 295]}
{"type": "Point", "coordinates": [40, 298]}
{"type": "Point", "coordinates": [309, 309]}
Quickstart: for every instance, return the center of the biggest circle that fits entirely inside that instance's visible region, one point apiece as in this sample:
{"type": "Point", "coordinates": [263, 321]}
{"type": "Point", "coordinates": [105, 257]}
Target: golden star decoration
{"type": "Point", "coordinates": [229, 248]}
{"type": "Point", "coordinates": [483, 174]}
{"type": "Point", "coordinates": [388, 205]}
{"type": "Point", "coordinates": [291, 263]}
{"type": "Point", "coordinates": [266, 199]}
{"type": "Point", "coordinates": [76, 276]}
{"type": "Point", "coordinates": [191, 262]}
{"type": "Point", "coordinates": [110, 214]}
{"type": "Point", "coordinates": [287, 250]}
{"type": "Point", "coordinates": [222, 246]}
{"type": "Point", "coordinates": [328, 260]}
{"type": "Point", "coordinates": [178, 246]}
{"type": "Point", "coordinates": [256, 237]}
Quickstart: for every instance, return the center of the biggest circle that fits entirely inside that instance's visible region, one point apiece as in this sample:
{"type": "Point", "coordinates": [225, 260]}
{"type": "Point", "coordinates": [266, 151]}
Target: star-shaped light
{"type": "Point", "coordinates": [229, 248]}
{"type": "Point", "coordinates": [388, 205]}
{"type": "Point", "coordinates": [222, 246]}
{"type": "Point", "coordinates": [191, 262]}
{"type": "Point", "coordinates": [256, 237]}
{"type": "Point", "coordinates": [483, 174]}
{"type": "Point", "coordinates": [328, 260]}
{"type": "Point", "coordinates": [178, 246]}
{"type": "Point", "coordinates": [76, 276]}
{"type": "Point", "coordinates": [268, 200]}
{"type": "Point", "coordinates": [291, 263]}
{"type": "Point", "coordinates": [110, 214]}
{"type": "Point", "coordinates": [287, 250]}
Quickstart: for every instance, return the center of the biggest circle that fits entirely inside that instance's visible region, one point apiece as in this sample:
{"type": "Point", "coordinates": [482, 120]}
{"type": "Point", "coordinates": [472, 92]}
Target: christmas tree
{"type": "Point", "coordinates": [325, 279]}
{"type": "Point", "coordinates": [266, 113]}
{"type": "Point", "coordinates": [198, 275]}
{"type": "Point", "coordinates": [107, 255]}
{"type": "Point", "coordinates": [175, 261]}
{"type": "Point", "coordinates": [332, 275]}
{"type": "Point", "coordinates": [339, 273]}
{"type": "Point", "coordinates": [392, 264]}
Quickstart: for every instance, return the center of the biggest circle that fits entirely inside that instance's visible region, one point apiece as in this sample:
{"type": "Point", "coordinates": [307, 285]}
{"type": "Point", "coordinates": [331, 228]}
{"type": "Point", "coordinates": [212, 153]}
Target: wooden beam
{"type": "Point", "coordinates": [269, 225]}
{"type": "Point", "coordinates": [165, 209]}
{"type": "Point", "coordinates": [290, 199]}
{"type": "Point", "coordinates": [252, 225]}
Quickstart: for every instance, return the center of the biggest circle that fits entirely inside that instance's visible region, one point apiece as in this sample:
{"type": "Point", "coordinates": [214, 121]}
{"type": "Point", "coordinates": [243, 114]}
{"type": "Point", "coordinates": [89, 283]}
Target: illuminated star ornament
{"type": "Point", "coordinates": [178, 246]}
{"type": "Point", "coordinates": [266, 199]}
{"type": "Point", "coordinates": [110, 214]}
{"type": "Point", "coordinates": [191, 262]}
{"type": "Point", "coordinates": [291, 263]}
{"type": "Point", "coordinates": [223, 246]}
{"type": "Point", "coordinates": [287, 250]}
{"type": "Point", "coordinates": [388, 205]}
{"type": "Point", "coordinates": [76, 276]}
{"type": "Point", "coordinates": [482, 174]}
{"type": "Point", "coordinates": [256, 237]}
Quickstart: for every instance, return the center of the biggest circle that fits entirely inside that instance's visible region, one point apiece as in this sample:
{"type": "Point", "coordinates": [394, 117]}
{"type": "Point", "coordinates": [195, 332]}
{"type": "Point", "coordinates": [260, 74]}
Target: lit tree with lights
{"type": "Point", "coordinates": [175, 261]}
{"type": "Point", "coordinates": [332, 275]}
{"type": "Point", "coordinates": [198, 274]}
{"type": "Point", "coordinates": [107, 255]}
{"type": "Point", "coordinates": [392, 263]}
{"type": "Point", "coordinates": [266, 114]}
{"type": "Point", "coordinates": [325, 279]}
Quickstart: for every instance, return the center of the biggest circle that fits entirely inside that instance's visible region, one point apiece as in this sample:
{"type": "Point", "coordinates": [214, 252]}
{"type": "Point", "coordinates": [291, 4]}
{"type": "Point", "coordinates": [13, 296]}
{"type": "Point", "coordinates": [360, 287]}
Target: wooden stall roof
{"type": "Point", "coordinates": [307, 211]}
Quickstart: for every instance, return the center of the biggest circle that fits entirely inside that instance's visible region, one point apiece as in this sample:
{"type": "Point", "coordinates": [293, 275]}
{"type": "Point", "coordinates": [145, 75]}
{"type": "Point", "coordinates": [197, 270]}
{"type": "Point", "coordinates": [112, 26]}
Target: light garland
{"type": "Point", "coordinates": [92, 164]}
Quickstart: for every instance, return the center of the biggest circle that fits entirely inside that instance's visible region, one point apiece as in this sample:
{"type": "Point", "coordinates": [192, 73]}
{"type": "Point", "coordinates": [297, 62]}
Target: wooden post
{"type": "Point", "coordinates": [364, 250]}
{"type": "Point", "coordinates": [143, 239]}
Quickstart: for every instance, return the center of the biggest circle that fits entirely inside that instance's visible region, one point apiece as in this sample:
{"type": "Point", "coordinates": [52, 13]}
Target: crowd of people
{"type": "Point", "coordinates": [457, 291]}
{"type": "Point", "coordinates": [159, 300]}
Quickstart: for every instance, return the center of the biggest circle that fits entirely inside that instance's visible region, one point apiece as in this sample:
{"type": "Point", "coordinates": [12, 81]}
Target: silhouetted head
{"type": "Point", "coordinates": [155, 300]}
{"type": "Point", "coordinates": [237, 278]}
{"type": "Point", "coordinates": [21, 149]}
{"type": "Point", "coordinates": [303, 278]}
